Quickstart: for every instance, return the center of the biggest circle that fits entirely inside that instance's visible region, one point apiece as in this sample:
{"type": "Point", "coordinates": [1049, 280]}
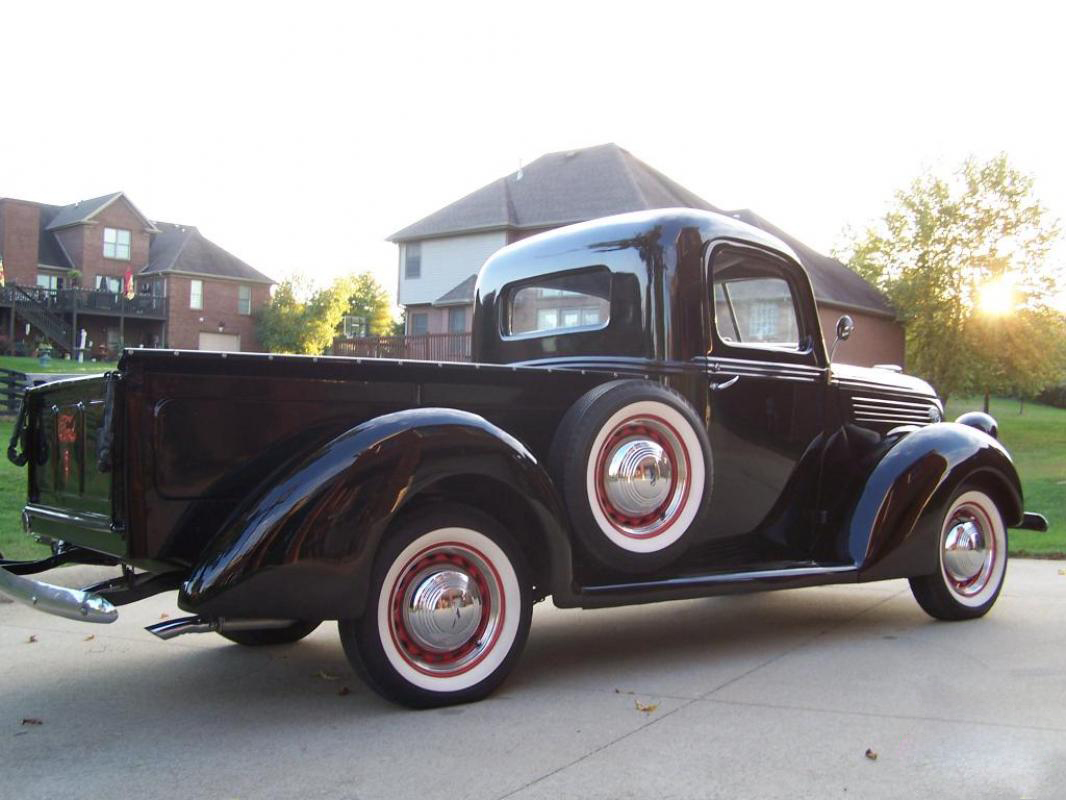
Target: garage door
{"type": "Point", "coordinates": [226, 342]}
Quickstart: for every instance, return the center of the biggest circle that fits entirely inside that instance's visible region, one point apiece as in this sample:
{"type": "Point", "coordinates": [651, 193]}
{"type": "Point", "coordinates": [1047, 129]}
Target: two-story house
{"type": "Point", "coordinates": [440, 255]}
{"type": "Point", "coordinates": [68, 272]}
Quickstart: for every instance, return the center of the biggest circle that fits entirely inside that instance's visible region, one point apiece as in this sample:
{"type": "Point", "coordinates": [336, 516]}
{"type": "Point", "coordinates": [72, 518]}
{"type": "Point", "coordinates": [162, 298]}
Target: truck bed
{"type": "Point", "coordinates": [194, 433]}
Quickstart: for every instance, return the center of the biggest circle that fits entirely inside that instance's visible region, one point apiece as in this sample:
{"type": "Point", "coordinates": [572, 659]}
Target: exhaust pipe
{"type": "Point", "coordinates": [176, 627]}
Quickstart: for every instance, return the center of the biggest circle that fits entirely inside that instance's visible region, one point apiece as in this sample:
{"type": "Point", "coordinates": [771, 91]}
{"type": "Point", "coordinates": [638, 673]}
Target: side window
{"type": "Point", "coordinates": [752, 305]}
{"type": "Point", "coordinates": [412, 260]}
{"type": "Point", "coordinates": [560, 304]}
{"type": "Point", "coordinates": [419, 323]}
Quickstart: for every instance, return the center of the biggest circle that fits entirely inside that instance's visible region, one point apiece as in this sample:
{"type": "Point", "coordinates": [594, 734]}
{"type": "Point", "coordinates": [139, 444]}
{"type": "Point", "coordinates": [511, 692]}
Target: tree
{"type": "Point", "coordinates": [941, 242]}
{"type": "Point", "coordinates": [369, 300]}
{"type": "Point", "coordinates": [299, 319]}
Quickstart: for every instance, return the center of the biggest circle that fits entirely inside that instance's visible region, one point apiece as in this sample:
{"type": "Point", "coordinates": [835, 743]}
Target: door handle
{"type": "Point", "coordinates": [718, 387]}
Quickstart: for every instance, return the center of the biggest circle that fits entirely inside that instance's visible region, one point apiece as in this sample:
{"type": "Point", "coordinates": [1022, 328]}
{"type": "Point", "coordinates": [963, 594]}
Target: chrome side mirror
{"type": "Point", "coordinates": [845, 327]}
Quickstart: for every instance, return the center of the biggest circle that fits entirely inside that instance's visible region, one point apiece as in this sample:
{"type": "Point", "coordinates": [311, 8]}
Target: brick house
{"type": "Point", "coordinates": [440, 255]}
{"type": "Point", "coordinates": [65, 268]}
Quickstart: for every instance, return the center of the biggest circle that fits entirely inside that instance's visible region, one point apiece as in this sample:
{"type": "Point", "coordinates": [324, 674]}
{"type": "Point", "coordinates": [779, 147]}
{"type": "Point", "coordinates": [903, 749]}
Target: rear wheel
{"type": "Point", "coordinates": [448, 612]}
{"type": "Point", "coordinates": [972, 559]}
{"type": "Point", "coordinates": [268, 636]}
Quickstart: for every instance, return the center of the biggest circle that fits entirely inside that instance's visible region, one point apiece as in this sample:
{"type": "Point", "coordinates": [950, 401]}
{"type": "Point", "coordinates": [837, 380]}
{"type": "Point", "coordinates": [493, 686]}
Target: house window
{"type": "Point", "coordinates": [456, 320]}
{"type": "Point", "coordinates": [354, 326]}
{"type": "Point", "coordinates": [412, 260]}
{"type": "Point", "coordinates": [244, 300]}
{"type": "Point", "coordinates": [419, 324]}
{"type": "Point", "coordinates": [48, 281]}
{"type": "Point", "coordinates": [196, 295]}
{"type": "Point", "coordinates": [107, 283]}
{"type": "Point", "coordinates": [117, 244]}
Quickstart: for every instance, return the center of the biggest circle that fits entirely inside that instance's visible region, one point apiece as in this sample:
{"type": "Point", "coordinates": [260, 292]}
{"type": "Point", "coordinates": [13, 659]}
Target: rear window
{"type": "Point", "coordinates": [556, 304]}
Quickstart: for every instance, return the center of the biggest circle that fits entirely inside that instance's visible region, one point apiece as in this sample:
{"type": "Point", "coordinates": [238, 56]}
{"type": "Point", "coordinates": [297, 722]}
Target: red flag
{"type": "Point", "coordinates": [127, 285]}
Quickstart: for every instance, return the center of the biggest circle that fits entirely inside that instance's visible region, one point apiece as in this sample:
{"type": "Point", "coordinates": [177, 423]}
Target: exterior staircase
{"type": "Point", "coordinates": [29, 305]}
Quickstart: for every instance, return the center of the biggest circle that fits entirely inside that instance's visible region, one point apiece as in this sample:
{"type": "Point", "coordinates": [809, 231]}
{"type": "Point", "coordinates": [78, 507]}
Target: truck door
{"type": "Point", "coordinates": [766, 375]}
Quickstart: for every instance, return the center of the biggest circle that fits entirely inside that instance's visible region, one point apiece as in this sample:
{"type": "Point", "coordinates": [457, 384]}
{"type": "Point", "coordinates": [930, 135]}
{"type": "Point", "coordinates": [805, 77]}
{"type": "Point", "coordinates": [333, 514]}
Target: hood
{"type": "Point", "coordinates": [881, 378]}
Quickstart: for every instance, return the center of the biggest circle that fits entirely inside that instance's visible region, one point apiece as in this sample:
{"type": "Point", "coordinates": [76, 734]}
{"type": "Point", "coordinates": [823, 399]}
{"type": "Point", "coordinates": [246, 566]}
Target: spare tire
{"type": "Point", "coordinates": [633, 463]}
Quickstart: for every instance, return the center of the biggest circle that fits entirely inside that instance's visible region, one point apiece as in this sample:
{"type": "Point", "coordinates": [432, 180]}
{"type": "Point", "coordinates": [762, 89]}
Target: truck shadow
{"type": "Point", "coordinates": [645, 648]}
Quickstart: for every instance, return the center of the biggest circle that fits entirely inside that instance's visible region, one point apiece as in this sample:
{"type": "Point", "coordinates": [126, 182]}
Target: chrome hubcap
{"type": "Point", "coordinates": [637, 479]}
{"type": "Point", "coordinates": [443, 610]}
{"type": "Point", "coordinates": [446, 610]}
{"type": "Point", "coordinates": [642, 476]}
{"type": "Point", "coordinates": [969, 550]}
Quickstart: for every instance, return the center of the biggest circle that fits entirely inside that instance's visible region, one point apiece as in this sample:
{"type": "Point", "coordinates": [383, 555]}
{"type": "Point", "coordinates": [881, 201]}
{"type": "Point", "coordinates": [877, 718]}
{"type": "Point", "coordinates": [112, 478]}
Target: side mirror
{"type": "Point", "coordinates": [845, 327]}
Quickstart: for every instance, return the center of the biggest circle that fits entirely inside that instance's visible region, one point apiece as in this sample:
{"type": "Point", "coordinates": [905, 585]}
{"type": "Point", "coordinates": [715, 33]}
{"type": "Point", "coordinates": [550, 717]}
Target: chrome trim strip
{"type": "Point", "coordinates": [886, 401]}
{"type": "Point", "coordinates": [57, 600]}
{"type": "Point", "coordinates": [723, 578]}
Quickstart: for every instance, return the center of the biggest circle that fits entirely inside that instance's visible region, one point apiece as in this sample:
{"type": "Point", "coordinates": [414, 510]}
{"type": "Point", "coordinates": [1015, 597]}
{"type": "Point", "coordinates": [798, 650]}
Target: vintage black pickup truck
{"type": "Point", "coordinates": [652, 414]}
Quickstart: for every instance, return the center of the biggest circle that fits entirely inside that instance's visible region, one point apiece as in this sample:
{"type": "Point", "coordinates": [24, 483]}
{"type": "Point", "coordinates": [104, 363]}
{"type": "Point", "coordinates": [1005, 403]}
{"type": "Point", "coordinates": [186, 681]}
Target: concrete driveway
{"type": "Point", "coordinates": [768, 695]}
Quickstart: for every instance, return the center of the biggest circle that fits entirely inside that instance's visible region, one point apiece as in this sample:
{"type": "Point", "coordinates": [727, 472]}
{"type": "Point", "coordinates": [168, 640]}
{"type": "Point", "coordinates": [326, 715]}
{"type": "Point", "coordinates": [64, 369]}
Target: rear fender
{"type": "Point", "coordinates": [893, 529]}
{"type": "Point", "coordinates": [303, 546]}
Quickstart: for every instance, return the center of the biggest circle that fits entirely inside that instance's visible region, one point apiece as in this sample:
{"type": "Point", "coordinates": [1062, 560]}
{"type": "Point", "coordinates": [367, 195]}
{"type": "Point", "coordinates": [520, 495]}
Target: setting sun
{"type": "Point", "coordinates": [997, 297]}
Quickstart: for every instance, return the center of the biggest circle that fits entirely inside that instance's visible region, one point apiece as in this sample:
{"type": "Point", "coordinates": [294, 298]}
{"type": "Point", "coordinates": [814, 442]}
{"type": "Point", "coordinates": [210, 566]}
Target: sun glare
{"type": "Point", "coordinates": [997, 297]}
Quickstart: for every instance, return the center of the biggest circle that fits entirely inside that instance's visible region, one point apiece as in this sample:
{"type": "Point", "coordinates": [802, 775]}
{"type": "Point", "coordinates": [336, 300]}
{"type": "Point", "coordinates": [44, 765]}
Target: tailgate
{"type": "Point", "coordinates": [73, 495]}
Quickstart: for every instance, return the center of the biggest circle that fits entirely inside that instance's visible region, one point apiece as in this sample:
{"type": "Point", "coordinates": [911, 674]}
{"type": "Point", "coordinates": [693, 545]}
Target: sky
{"type": "Point", "coordinates": [300, 135]}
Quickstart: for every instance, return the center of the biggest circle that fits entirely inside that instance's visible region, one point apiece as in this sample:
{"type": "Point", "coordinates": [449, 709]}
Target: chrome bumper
{"type": "Point", "coordinates": [57, 600]}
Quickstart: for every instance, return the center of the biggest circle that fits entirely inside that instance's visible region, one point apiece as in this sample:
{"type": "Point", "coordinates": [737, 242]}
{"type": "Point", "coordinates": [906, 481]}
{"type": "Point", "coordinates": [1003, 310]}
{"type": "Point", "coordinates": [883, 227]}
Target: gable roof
{"type": "Point", "coordinates": [49, 251]}
{"type": "Point", "coordinates": [461, 294]}
{"type": "Point", "coordinates": [579, 185]}
{"type": "Point", "coordinates": [558, 189]}
{"type": "Point", "coordinates": [833, 282]}
{"type": "Point", "coordinates": [182, 248]}
{"type": "Point", "coordinates": [84, 210]}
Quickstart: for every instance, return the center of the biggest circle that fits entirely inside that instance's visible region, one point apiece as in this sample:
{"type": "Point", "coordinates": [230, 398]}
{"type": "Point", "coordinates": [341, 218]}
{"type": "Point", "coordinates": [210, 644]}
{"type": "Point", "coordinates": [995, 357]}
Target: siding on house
{"type": "Point", "coordinates": [446, 262]}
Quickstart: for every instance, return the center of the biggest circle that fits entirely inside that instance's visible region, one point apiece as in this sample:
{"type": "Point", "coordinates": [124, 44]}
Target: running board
{"type": "Point", "coordinates": [690, 586]}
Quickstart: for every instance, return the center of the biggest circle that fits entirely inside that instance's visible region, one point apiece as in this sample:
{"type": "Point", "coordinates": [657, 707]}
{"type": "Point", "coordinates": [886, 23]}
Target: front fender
{"type": "Point", "coordinates": [893, 529]}
{"type": "Point", "coordinates": [302, 547]}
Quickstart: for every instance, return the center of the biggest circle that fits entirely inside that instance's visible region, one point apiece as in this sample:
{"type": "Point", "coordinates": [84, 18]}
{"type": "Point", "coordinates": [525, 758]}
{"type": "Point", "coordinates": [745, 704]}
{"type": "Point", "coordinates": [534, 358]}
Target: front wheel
{"type": "Point", "coordinates": [448, 612]}
{"type": "Point", "coordinates": [972, 560]}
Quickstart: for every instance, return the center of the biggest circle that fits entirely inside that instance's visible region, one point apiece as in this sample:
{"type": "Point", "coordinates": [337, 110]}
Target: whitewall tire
{"type": "Point", "coordinates": [448, 611]}
{"type": "Point", "coordinates": [972, 559]}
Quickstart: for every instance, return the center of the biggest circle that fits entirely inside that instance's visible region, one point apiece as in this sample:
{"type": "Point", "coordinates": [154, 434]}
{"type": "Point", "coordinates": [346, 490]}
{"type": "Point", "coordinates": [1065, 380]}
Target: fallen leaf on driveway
{"type": "Point", "coordinates": [31, 721]}
{"type": "Point", "coordinates": [647, 708]}
{"type": "Point", "coordinates": [164, 616]}
{"type": "Point", "coordinates": [89, 638]}
{"type": "Point", "coordinates": [344, 691]}
{"type": "Point", "coordinates": [326, 676]}
{"type": "Point", "coordinates": [32, 639]}
{"type": "Point", "coordinates": [870, 754]}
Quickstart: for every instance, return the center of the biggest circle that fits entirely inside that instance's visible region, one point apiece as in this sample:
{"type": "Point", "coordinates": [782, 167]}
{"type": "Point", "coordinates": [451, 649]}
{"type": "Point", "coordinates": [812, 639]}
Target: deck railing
{"type": "Point", "coordinates": [90, 301]}
{"type": "Point", "coordinates": [427, 347]}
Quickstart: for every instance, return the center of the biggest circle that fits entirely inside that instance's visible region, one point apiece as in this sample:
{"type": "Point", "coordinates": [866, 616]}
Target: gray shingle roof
{"type": "Point", "coordinates": [557, 189]}
{"type": "Point", "coordinates": [182, 248]}
{"type": "Point", "coordinates": [84, 210]}
{"type": "Point", "coordinates": [460, 294]}
{"type": "Point", "coordinates": [579, 185]}
{"type": "Point", "coordinates": [49, 253]}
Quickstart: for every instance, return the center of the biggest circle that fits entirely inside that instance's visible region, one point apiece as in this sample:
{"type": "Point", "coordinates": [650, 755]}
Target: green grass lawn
{"type": "Point", "coordinates": [60, 365]}
{"type": "Point", "coordinates": [1036, 440]}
